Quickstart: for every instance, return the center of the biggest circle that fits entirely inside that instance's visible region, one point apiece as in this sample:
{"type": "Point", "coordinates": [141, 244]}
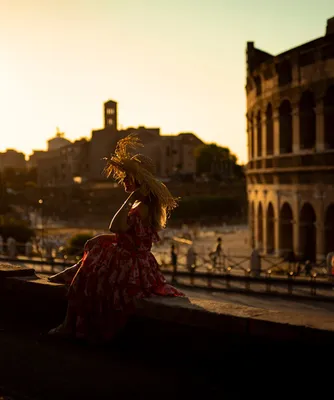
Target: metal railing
{"type": "Point", "coordinates": [225, 272]}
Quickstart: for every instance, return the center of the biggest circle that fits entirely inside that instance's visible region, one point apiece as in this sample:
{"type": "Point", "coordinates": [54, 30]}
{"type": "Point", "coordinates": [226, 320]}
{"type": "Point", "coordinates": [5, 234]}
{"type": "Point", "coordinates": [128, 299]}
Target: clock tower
{"type": "Point", "coordinates": [110, 114]}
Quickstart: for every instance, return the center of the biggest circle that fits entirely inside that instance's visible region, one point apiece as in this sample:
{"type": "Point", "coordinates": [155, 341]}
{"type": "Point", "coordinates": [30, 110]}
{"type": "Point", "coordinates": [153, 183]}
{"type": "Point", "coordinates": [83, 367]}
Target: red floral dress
{"type": "Point", "coordinates": [115, 271]}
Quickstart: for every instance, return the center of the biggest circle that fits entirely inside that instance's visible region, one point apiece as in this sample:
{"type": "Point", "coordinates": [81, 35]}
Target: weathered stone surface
{"type": "Point", "coordinates": [7, 270]}
{"type": "Point", "coordinates": [37, 295]}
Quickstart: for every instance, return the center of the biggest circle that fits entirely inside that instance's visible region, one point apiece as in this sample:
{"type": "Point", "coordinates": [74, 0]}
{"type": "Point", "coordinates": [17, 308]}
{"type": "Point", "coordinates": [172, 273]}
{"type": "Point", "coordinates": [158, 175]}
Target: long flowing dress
{"type": "Point", "coordinates": [115, 271]}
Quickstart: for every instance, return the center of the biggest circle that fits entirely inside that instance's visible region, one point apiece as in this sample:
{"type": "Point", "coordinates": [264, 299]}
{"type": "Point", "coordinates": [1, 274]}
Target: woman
{"type": "Point", "coordinates": [116, 269]}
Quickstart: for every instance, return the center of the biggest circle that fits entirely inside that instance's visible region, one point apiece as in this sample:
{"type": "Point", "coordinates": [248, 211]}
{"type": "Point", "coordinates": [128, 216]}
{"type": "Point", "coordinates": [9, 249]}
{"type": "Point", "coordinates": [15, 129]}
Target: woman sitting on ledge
{"type": "Point", "coordinates": [118, 268]}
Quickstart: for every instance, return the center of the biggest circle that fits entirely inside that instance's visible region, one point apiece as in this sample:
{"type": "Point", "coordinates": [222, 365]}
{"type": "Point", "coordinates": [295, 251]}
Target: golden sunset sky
{"type": "Point", "coordinates": [174, 64]}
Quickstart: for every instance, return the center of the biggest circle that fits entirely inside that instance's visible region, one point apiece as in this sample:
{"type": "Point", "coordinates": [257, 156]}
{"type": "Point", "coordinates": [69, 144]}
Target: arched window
{"type": "Point", "coordinates": [307, 232]}
{"type": "Point", "coordinates": [285, 127]}
{"type": "Point", "coordinates": [286, 229]}
{"type": "Point", "coordinates": [269, 130]}
{"type": "Point", "coordinates": [270, 229]}
{"type": "Point", "coordinates": [260, 227]}
{"type": "Point", "coordinates": [329, 118]}
{"type": "Point", "coordinates": [307, 121]}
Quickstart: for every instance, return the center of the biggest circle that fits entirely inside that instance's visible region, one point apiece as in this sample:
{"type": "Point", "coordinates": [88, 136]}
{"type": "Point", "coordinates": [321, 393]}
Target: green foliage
{"type": "Point", "coordinates": [16, 179]}
{"type": "Point", "coordinates": [19, 231]}
{"type": "Point", "coordinates": [195, 207]}
{"type": "Point", "coordinates": [77, 242]}
{"type": "Point", "coordinates": [217, 162]}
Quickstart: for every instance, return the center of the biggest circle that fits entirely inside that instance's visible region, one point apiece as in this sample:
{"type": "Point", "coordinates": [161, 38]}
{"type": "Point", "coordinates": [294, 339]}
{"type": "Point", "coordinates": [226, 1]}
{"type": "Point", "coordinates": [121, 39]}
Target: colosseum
{"type": "Point", "coordinates": [290, 128]}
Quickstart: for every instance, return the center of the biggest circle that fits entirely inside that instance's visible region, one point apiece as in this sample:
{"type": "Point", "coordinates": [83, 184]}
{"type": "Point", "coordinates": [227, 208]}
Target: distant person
{"type": "Point", "coordinates": [216, 255]}
{"type": "Point", "coordinates": [11, 247]}
{"type": "Point", "coordinates": [329, 264]}
{"type": "Point", "coordinates": [191, 262]}
{"type": "Point", "coordinates": [173, 256]}
{"type": "Point", "coordinates": [191, 259]}
{"type": "Point", "coordinates": [308, 268]}
{"type": "Point", "coordinates": [119, 268]}
{"type": "Point", "coordinates": [255, 262]}
{"type": "Point", "coordinates": [28, 249]}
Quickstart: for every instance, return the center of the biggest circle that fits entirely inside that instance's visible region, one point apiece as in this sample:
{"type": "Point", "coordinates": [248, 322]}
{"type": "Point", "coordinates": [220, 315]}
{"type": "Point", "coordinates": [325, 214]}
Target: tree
{"type": "Point", "coordinates": [16, 178]}
{"type": "Point", "coordinates": [217, 162]}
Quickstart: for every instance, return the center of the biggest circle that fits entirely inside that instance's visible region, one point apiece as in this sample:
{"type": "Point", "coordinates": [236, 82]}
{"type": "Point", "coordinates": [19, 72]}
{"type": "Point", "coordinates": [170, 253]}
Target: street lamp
{"type": "Point", "coordinates": [40, 202]}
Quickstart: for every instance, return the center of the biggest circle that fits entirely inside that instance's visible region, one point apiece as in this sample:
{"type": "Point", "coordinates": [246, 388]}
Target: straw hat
{"type": "Point", "coordinates": [141, 168]}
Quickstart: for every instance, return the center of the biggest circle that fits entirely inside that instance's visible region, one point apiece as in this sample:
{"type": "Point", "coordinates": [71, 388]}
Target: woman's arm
{"type": "Point", "coordinates": [119, 221]}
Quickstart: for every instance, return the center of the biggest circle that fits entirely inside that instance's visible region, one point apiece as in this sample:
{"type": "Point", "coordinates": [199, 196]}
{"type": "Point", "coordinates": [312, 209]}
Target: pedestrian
{"type": "Point", "coordinates": [308, 268]}
{"type": "Point", "coordinates": [216, 255]}
{"type": "Point", "coordinates": [255, 262]}
{"type": "Point", "coordinates": [191, 262]}
{"type": "Point", "coordinates": [173, 256]}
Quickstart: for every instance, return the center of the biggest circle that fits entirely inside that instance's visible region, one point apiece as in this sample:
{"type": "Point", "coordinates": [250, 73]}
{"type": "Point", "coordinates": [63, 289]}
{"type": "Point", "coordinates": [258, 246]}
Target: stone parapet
{"type": "Point", "coordinates": [33, 298]}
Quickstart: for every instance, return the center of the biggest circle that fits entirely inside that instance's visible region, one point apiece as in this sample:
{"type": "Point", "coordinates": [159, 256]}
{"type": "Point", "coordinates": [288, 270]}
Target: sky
{"type": "Point", "coordinates": [174, 64]}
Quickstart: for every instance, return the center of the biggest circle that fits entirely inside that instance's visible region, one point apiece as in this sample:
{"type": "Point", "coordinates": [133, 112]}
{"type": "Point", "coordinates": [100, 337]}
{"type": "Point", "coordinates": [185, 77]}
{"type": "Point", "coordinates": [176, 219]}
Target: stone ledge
{"type": "Point", "coordinates": [7, 270]}
{"type": "Point", "coordinates": [32, 295]}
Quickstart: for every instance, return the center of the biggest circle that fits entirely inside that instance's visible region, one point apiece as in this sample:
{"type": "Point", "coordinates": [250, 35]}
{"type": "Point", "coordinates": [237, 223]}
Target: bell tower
{"type": "Point", "coordinates": [110, 114]}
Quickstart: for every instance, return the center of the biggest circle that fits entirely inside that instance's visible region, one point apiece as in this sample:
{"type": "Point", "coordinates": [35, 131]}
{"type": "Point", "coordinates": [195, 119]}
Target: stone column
{"type": "Point", "coordinates": [295, 129]}
{"type": "Point", "coordinates": [276, 131]}
{"type": "Point", "coordinates": [250, 144]}
{"type": "Point", "coordinates": [320, 126]}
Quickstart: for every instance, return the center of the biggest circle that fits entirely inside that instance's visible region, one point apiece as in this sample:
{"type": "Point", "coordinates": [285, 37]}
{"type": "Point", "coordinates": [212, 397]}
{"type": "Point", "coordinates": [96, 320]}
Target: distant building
{"type": "Point", "coordinates": [34, 157]}
{"type": "Point", "coordinates": [103, 141]}
{"type": "Point", "coordinates": [58, 141]}
{"type": "Point", "coordinates": [64, 166]}
{"type": "Point", "coordinates": [85, 159]}
{"type": "Point", "coordinates": [177, 154]}
{"type": "Point", "coordinates": [12, 159]}
{"type": "Point", "coordinates": [290, 125]}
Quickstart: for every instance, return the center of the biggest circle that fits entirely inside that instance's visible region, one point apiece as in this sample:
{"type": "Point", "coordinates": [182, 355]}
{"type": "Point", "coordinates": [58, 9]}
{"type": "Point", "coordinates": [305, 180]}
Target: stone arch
{"type": "Point", "coordinates": [329, 118]}
{"type": "Point", "coordinates": [285, 127]}
{"type": "Point", "coordinates": [286, 229]}
{"type": "Point", "coordinates": [260, 226]}
{"type": "Point", "coordinates": [329, 229]}
{"type": "Point", "coordinates": [284, 73]}
{"type": "Point", "coordinates": [269, 130]}
{"type": "Point", "coordinates": [307, 121]}
{"type": "Point", "coordinates": [259, 134]}
{"type": "Point", "coordinates": [270, 220]}
{"type": "Point", "coordinates": [307, 233]}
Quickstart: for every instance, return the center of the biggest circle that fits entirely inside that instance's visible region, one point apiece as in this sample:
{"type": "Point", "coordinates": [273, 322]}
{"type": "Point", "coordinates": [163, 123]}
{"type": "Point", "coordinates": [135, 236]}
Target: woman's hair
{"type": "Point", "coordinates": [157, 214]}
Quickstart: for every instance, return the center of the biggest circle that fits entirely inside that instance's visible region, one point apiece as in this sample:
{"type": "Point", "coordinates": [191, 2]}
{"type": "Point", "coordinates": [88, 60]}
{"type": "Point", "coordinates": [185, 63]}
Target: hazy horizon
{"type": "Point", "coordinates": [174, 64]}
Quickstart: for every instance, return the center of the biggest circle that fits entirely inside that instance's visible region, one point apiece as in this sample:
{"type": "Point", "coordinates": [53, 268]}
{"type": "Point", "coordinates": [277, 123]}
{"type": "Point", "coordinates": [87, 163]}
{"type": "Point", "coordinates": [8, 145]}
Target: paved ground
{"type": "Point", "coordinates": [305, 306]}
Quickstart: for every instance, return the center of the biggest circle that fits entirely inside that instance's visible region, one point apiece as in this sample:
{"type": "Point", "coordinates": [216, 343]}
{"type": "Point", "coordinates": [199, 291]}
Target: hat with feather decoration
{"type": "Point", "coordinates": [141, 168]}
